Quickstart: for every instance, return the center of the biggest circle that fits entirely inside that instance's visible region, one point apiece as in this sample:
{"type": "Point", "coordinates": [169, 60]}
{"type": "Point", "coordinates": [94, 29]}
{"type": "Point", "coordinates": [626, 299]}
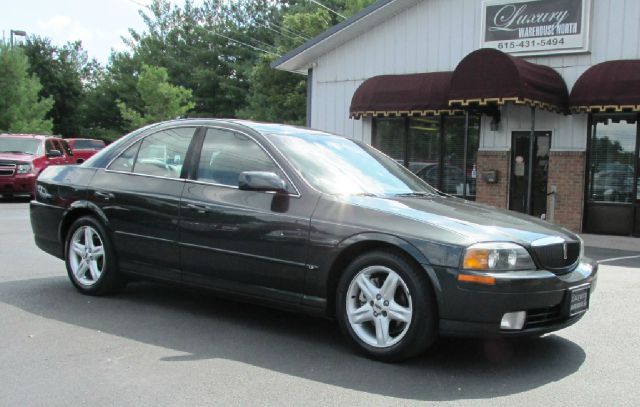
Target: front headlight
{"type": "Point", "coordinates": [497, 256]}
{"type": "Point", "coordinates": [23, 168]}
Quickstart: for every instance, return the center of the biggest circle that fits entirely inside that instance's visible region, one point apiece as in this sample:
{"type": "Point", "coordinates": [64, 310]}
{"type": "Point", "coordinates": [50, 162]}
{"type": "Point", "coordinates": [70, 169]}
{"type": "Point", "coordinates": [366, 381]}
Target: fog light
{"type": "Point", "coordinates": [513, 320]}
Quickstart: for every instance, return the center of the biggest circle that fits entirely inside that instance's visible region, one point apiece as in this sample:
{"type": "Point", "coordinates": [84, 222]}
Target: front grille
{"type": "Point", "coordinates": [7, 170]}
{"type": "Point", "coordinates": [543, 316]}
{"type": "Point", "coordinates": [556, 258]}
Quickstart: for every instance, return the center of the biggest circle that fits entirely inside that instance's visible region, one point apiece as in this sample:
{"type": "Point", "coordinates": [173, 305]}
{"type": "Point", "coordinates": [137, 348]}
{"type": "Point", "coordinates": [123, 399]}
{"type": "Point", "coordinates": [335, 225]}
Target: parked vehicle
{"type": "Point", "coordinates": [24, 156]}
{"type": "Point", "coordinates": [306, 220]}
{"type": "Point", "coordinates": [84, 148]}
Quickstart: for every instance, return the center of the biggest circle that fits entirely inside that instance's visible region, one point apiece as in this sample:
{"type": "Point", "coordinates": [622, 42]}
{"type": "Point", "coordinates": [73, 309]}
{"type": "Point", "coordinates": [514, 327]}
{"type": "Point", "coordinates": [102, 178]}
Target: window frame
{"type": "Point", "coordinates": [193, 171]}
{"type": "Point", "coordinates": [184, 172]}
{"type": "Point", "coordinates": [591, 123]}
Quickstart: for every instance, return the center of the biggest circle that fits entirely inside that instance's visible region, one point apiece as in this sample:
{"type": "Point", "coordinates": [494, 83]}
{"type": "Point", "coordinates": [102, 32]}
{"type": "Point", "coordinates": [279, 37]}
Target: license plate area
{"type": "Point", "coordinates": [577, 300]}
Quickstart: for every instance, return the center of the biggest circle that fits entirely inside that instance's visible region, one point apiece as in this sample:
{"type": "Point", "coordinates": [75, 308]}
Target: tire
{"type": "Point", "coordinates": [93, 270]}
{"type": "Point", "coordinates": [408, 311]}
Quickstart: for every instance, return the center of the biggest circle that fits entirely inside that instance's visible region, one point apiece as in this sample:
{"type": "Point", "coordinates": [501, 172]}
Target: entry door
{"type": "Point", "coordinates": [520, 168]}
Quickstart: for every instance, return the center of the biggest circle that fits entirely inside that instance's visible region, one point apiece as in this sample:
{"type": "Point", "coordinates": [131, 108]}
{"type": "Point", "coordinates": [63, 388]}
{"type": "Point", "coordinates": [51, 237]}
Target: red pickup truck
{"type": "Point", "coordinates": [24, 156]}
{"type": "Point", "coordinates": [83, 148]}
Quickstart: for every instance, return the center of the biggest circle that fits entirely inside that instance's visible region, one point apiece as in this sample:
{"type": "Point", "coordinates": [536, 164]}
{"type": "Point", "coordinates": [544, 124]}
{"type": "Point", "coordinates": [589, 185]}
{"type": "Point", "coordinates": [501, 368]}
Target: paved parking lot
{"type": "Point", "coordinates": [156, 345]}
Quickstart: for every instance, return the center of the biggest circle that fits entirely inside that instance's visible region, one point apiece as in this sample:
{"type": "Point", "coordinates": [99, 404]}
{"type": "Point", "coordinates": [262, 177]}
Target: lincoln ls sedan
{"type": "Point", "coordinates": [309, 221]}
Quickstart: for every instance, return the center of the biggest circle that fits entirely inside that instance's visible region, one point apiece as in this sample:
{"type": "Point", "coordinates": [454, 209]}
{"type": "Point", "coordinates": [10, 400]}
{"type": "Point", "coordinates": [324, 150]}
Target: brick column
{"type": "Point", "coordinates": [493, 194]}
{"type": "Point", "coordinates": [566, 173]}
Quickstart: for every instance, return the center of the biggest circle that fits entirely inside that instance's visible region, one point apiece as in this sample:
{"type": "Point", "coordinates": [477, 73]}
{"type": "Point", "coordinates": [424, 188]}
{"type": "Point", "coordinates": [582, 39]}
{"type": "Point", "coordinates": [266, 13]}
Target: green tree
{"type": "Point", "coordinates": [160, 99]}
{"type": "Point", "coordinates": [61, 70]}
{"type": "Point", "coordinates": [281, 96]}
{"type": "Point", "coordinates": [22, 110]}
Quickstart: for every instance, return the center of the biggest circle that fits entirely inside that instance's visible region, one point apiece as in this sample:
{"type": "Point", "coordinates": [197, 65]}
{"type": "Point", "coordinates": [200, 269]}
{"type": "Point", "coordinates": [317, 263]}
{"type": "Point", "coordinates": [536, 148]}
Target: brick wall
{"type": "Point", "coordinates": [493, 194]}
{"type": "Point", "coordinates": [566, 173]}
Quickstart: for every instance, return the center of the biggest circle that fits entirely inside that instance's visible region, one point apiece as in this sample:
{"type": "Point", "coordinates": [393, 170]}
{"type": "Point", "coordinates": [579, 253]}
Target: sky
{"type": "Point", "coordinates": [99, 24]}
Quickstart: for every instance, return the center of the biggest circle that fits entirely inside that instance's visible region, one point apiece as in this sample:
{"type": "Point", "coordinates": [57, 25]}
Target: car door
{"type": "Point", "coordinates": [50, 145]}
{"type": "Point", "coordinates": [139, 193]}
{"type": "Point", "coordinates": [67, 151]}
{"type": "Point", "coordinates": [249, 241]}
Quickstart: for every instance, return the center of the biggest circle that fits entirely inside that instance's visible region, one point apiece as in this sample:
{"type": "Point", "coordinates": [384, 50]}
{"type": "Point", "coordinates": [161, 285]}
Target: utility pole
{"type": "Point", "coordinates": [16, 33]}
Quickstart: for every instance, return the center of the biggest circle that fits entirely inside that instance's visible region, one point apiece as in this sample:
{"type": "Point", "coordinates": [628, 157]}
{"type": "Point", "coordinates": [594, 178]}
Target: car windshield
{"type": "Point", "coordinates": [22, 145]}
{"type": "Point", "coordinates": [337, 165]}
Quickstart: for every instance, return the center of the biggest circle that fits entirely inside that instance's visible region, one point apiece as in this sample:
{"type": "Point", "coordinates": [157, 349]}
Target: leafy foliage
{"type": "Point", "coordinates": [209, 59]}
{"type": "Point", "coordinates": [61, 71]}
{"type": "Point", "coordinates": [22, 110]}
{"type": "Point", "coordinates": [160, 99]}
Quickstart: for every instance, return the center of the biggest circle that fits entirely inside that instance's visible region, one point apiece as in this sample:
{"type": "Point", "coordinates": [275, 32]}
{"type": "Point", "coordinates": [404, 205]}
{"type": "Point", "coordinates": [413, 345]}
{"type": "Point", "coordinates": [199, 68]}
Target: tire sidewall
{"type": "Point", "coordinates": [422, 331]}
{"type": "Point", "coordinates": [109, 270]}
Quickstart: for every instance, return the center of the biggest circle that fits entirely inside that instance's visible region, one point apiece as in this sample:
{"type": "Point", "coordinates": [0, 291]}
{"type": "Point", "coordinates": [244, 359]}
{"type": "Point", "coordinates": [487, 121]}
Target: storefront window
{"type": "Point", "coordinates": [389, 138]}
{"type": "Point", "coordinates": [423, 148]}
{"type": "Point", "coordinates": [611, 158]}
{"type": "Point", "coordinates": [433, 148]}
{"type": "Point", "coordinates": [458, 179]}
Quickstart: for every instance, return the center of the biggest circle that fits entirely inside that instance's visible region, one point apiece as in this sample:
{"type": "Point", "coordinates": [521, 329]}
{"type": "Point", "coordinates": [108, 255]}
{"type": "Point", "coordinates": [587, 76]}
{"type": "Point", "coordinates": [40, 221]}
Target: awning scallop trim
{"type": "Point", "coordinates": [612, 86]}
{"type": "Point", "coordinates": [490, 77]}
{"type": "Point", "coordinates": [421, 94]}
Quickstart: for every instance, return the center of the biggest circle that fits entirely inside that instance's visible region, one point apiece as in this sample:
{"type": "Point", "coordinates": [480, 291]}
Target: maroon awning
{"type": "Point", "coordinates": [419, 94]}
{"type": "Point", "coordinates": [609, 86]}
{"type": "Point", "coordinates": [488, 76]}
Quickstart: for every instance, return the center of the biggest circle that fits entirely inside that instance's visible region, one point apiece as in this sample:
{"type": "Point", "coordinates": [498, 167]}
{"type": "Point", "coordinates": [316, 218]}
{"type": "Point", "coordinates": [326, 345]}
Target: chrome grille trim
{"type": "Point", "coordinates": [7, 169]}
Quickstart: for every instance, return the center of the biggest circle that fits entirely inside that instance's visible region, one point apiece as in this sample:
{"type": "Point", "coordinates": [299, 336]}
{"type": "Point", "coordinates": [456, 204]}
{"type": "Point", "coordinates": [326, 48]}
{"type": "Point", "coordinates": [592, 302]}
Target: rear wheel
{"type": "Point", "coordinates": [90, 259]}
{"type": "Point", "coordinates": [385, 306]}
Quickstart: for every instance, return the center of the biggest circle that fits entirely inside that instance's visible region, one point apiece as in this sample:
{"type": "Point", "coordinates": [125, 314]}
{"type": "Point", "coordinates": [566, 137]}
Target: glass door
{"type": "Point", "coordinates": [612, 181]}
{"type": "Point", "coordinates": [520, 166]}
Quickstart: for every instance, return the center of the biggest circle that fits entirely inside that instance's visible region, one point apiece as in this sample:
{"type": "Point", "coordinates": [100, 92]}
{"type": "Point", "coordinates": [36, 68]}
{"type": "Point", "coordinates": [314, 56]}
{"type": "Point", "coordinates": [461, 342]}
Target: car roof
{"type": "Point", "coordinates": [256, 126]}
{"type": "Point", "coordinates": [22, 135]}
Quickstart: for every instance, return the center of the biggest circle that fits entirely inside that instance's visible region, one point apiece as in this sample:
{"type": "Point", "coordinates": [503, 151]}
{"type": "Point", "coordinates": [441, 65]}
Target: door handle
{"type": "Point", "coordinates": [104, 195]}
{"type": "Point", "coordinates": [199, 208]}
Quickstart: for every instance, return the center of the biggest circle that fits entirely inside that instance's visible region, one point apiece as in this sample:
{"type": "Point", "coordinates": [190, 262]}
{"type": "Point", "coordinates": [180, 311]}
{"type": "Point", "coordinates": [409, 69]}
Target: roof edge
{"type": "Point", "coordinates": [330, 32]}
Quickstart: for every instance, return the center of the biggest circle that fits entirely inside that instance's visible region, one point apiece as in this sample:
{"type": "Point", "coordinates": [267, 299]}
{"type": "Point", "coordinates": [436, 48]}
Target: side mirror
{"type": "Point", "coordinates": [54, 153]}
{"type": "Point", "coordinates": [261, 181]}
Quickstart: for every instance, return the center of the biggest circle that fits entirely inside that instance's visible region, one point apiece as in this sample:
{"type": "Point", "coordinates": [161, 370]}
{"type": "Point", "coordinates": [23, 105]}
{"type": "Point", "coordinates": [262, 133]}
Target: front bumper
{"type": "Point", "coordinates": [18, 184]}
{"type": "Point", "coordinates": [470, 309]}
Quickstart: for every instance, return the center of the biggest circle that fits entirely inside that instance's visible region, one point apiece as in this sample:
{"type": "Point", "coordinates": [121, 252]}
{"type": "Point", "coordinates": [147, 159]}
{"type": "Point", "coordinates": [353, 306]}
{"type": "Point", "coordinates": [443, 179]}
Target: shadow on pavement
{"type": "Point", "coordinates": [15, 199]}
{"type": "Point", "coordinates": [204, 327]}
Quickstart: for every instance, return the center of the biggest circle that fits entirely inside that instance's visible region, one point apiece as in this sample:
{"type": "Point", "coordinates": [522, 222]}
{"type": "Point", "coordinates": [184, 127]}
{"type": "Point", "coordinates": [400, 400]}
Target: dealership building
{"type": "Point", "coordinates": [527, 105]}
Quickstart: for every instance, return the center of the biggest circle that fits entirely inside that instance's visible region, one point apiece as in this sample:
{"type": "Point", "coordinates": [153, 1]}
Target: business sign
{"type": "Point", "coordinates": [536, 26]}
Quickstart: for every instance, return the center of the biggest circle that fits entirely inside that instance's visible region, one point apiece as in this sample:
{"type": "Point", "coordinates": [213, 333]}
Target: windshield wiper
{"type": "Point", "coordinates": [16, 152]}
{"type": "Point", "coordinates": [414, 194]}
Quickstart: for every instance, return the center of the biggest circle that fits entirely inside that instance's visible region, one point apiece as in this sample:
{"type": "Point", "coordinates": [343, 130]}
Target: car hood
{"type": "Point", "coordinates": [477, 222]}
{"type": "Point", "coordinates": [16, 157]}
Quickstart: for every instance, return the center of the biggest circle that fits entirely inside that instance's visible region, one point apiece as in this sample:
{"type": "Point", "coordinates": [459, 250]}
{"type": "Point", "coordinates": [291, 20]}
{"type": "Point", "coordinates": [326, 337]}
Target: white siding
{"type": "Point", "coordinates": [435, 35]}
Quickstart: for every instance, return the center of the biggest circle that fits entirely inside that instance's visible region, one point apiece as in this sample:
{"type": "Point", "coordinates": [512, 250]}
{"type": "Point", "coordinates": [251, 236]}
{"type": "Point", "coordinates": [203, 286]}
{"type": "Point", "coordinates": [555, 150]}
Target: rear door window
{"type": "Point", "coordinates": [162, 154]}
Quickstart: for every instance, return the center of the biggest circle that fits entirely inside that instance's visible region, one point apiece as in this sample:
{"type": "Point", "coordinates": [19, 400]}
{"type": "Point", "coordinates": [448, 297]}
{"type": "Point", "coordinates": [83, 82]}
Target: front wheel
{"type": "Point", "coordinates": [90, 259]}
{"type": "Point", "coordinates": [385, 306]}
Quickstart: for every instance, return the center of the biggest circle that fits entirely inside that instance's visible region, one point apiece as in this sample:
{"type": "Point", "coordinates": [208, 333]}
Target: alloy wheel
{"type": "Point", "coordinates": [86, 255]}
{"type": "Point", "coordinates": [379, 307]}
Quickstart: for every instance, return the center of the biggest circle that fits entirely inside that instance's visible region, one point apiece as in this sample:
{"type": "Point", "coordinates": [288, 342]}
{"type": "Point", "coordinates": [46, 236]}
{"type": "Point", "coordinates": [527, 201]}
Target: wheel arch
{"type": "Point", "coordinates": [357, 245]}
{"type": "Point", "coordinates": [77, 210]}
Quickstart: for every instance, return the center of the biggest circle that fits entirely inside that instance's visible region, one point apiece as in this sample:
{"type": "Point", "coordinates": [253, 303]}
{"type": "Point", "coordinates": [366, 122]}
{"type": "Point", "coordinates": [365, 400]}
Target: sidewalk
{"type": "Point", "coordinates": [625, 243]}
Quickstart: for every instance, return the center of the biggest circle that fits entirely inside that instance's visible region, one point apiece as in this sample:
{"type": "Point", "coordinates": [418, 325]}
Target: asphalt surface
{"type": "Point", "coordinates": [158, 345]}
